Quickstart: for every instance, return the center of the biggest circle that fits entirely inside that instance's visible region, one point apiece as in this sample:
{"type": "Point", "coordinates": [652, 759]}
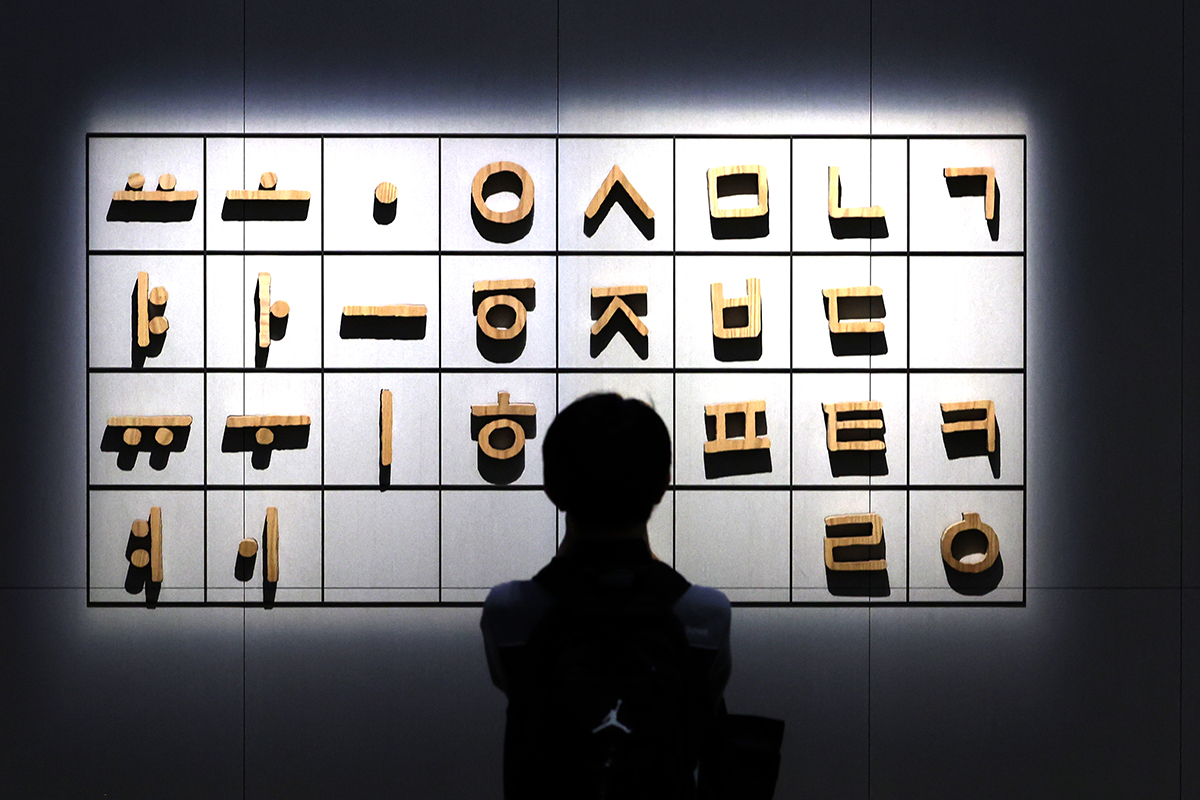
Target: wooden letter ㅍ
{"type": "Point", "coordinates": [833, 425]}
{"type": "Point", "coordinates": [615, 176]}
{"type": "Point", "coordinates": [397, 310]}
{"type": "Point", "coordinates": [988, 423]}
{"type": "Point", "coordinates": [750, 439]}
{"type": "Point", "coordinates": [753, 303]}
{"type": "Point", "coordinates": [272, 575]}
{"type": "Point", "coordinates": [874, 538]}
{"type": "Point", "coordinates": [975, 562]}
{"type": "Point", "coordinates": [835, 323]}
{"type": "Point", "coordinates": [147, 297]}
{"type": "Point", "coordinates": [989, 192]}
{"type": "Point", "coordinates": [714, 177]}
{"type": "Point", "coordinates": [835, 201]}
{"type": "Point", "coordinates": [524, 205]}
{"type": "Point", "coordinates": [267, 191]}
{"type": "Point", "coordinates": [162, 424]}
{"type": "Point", "coordinates": [166, 191]}
{"type": "Point", "coordinates": [266, 309]}
{"type": "Point", "coordinates": [503, 408]}
{"type": "Point", "coordinates": [385, 427]}
{"type": "Point", "coordinates": [264, 422]}
{"type": "Point", "coordinates": [617, 304]}
{"type": "Point", "coordinates": [491, 301]}
{"type": "Point", "coordinates": [152, 556]}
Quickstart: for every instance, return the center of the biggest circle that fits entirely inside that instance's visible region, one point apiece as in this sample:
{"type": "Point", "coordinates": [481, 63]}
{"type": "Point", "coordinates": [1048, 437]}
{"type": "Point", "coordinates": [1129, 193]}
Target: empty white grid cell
{"type": "Point", "coordinates": [111, 576]}
{"type": "Point", "coordinates": [381, 546]}
{"type": "Point", "coordinates": [962, 457]}
{"type": "Point", "coordinates": [492, 536]}
{"type": "Point", "coordinates": [815, 463]}
{"type": "Point", "coordinates": [948, 214]}
{"type": "Point", "coordinates": [236, 515]}
{"type": "Point", "coordinates": [932, 512]}
{"type": "Point", "coordinates": [735, 541]}
{"type": "Point", "coordinates": [353, 433]}
{"type": "Point", "coordinates": [619, 345]}
{"type": "Point", "coordinates": [967, 312]}
{"type": "Point", "coordinates": [696, 229]}
{"type": "Point", "coordinates": [872, 174]}
{"type": "Point", "coordinates": [113, 461]}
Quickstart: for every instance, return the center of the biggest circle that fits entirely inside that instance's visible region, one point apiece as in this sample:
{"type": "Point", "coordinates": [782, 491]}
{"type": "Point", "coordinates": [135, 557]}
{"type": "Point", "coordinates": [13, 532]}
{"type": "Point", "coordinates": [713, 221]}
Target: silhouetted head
{"type": "Point", "coordinates": [607, 460]}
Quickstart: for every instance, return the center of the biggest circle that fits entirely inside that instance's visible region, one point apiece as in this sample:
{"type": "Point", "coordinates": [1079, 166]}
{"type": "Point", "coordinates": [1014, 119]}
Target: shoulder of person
{"type": "Point", "coordinates": [705, 614]}
{"type": "Point", "coordinates": [512, 610]}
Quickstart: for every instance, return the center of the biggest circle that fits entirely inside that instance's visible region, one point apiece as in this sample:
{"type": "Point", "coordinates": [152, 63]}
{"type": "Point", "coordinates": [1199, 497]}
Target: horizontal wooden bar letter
{"type": "Point", "coordinates": [166, 191]}
{"type": "Point", "coordinates": [267, 191]}
{"type": "Point", "coordinates": [397, 310]}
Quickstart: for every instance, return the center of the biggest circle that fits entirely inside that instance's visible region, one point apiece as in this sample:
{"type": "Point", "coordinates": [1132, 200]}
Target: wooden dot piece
{"type": "Point", "coordinates": [164, 436]}
{"type": "Point", "coordinates": [166, 182]}
{"type": "Point", "coordinates": [136, 181]}
{"type": "Point", "coordinates": [268, 180]}
{"type": "Point", "coordinates": [280, 309]}
{"type": "Point", "coordinates": [132, 436]}
{"type": "Point", "coordinates": [159, 325]}
{"type": "Point", "coordinates": [141, 528]}
{"type": "Point", "coordinates": [264, 436]}
{"type": "Point", "coordinates": [139, 558]}
{"type": "Point", "coordinates": [159, 295]}
{"type": "Point", "coordinates": [247, 548]}
{"type": "Point", "coordinates": [386, 192]}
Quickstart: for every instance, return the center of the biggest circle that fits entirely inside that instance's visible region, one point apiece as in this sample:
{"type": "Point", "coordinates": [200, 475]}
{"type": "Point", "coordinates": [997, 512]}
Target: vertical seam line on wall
{"type": "Point", "coordinates": [441, 375]}
{"type": "Point", "coordinates": [322, 320]}
{"type": "Point", "coordinates": [1182, 347]}
{"type": "Point", "coordinates": [87, 373]}
{"type": "Point", "coordinates": [245, 738]}
{"type": "Point", "coordinates": [791, 511]}
{"type": "Point", "coordinates": [870, 188]}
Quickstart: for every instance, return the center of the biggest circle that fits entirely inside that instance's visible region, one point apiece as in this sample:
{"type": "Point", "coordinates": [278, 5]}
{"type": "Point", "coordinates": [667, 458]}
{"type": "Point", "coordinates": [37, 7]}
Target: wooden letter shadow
{"type": "Point", "coordinates": [164, 205]}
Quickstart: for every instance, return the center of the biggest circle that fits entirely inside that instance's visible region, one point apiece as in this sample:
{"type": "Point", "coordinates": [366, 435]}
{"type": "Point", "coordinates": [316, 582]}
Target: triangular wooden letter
{"type": "Point", "coordinates": [597, 210]}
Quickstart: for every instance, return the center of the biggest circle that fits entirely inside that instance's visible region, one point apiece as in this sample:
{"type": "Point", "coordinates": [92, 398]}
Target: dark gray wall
{"type": "Point", "coordinates": [1087, 690]}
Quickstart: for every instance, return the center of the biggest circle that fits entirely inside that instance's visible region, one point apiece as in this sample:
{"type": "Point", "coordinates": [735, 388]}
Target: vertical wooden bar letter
{"type": "Point", "coordinates": [272, 544]}
{"type": "Point", "coordinates": [385, 427]}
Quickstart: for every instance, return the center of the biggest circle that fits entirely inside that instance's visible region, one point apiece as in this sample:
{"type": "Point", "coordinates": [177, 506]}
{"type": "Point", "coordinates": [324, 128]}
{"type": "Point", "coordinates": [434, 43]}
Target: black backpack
{"type": "Point", "coordinates": [611, 707]}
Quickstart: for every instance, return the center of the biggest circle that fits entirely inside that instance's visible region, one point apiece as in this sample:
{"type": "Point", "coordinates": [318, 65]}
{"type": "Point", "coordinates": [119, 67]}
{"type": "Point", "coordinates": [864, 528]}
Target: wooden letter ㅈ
{"type": "Point", "coordinates": [163, 424]}
{"type": "Point", "coordinates": [975, 562]}
{"type": "Point", "coordinates": [615, 176]}
{"type": "Point", "coordinates": [266, 309]}
{"type": "Point", "coordinates": [750, 439]}
{"type": "Point", "coordinates": [491, 301]}
{"type": "Point", "coordinates": [166, 191]}
{"type": "Point", "coordinates": [714, 194]}
{"type": "Point", "coordinates": [264, 422]}
{"type": "Point", "coordinates": [267, 191]}
{"type": "Point", "coordinates": [272, 575]}
{"type": "Point", "coordinates": [503, 408]}
{"type": "Point", "coordinates": [836, 325]}
{"type": "Point", "coordinates": [385, 427]}
{"type": "Point", "coordinates": [524, 205]}
{"type": "Point", "coordinates": [152, 556]}
{"type": "Point", "coordinates": [147, 297]}
{"type": "Point", "coordinates": [617, 304]}
{"type": "Point", "coordinates": [753, 304]}
{"type": "Point", "coordinates": [833, 425]}
{"type": "Point", "coordinates": [988, 423]}
{"type": "Point", "coordinates": [989, 192]}
{"type": "Point", "coordinates": [835, 201]}
{"type": "Point", "coordinates": [874, 538]}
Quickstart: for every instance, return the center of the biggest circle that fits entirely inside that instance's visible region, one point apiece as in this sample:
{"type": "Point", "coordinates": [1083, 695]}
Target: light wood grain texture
{"type": "Point", "coordinates": [976, 562]}
{"type": "Point", "coordinates": [872, 539]}
{"type": "Point", "coordinates": [524, 205]}
{"type": "Point", "coordinates": [136, 181]}
{"type": "Point", "coordinates": [164, 436]}
{"type": "Point", "coordinates": [158, 296]}
{"type": "Point", "coordinates": [166, 420]}
{"type": "Point", "coordinates": [386, 193]}
{"type": "Point", "coordinates": [269, 181]}
{"type": "Point", "coordinates": [490, 330]}
{"type": "Point", "coordinates": [836, 325]}
{"type": "Point", "coordinates": [159, 325]}
{"type": "Point", "coordinates": [385, 427]}
{"type": "Point", "coordinates": [507, 285]}
{"type": "Point", "coordinates": [143, 311]}
{"type": "Point", "coordinates": [397, 310]}
{"type": "Point", "coordinates": [140, 528]}
{"type": "Point", "coordinates": [714, 176]}
{"type": "Point", "coordinates": [618, 291]}
{"type": "Point", "coordinates": [615, 176]}
{"type": "Point", "coordinates": [264, 436]}
{"type": "Point", "coordinates": [166, 191]}
{"type": "Point", "coordinates": [615, 305]}
{"type": "Point", "coordinates": [139, 558]}
{"type": "Point", "coordinates": [166, 182]}
{"type": "Point", "coordinates": [264, 309]}
{"type": "Point", "coordinates": [266, 420]}
{"type": "Point", "coordinates": [835, 201]}
{"type": "Point", "coordinates": [156, 531]}
{"type": "Point", "coordinates": [502, 407]}
{"type": "Point", "coordinates": [272, 544]}
{"type": "Point", "coordinates": [248, 547]}
{"type": "Point", "coordinates": [833, 425]}
{"type": "Point", "coordinates": [132, 437]}
{"type": "Point", "coordinates": [753, 303]}
{"type": "Point", "coordinates": [989, 192]}
{"type": "Point", "coordinates": [751, 440]}
{"type": "Point", "coordinates": [485, 439]}
{"type": "Point", "coordinates": [988, 423]}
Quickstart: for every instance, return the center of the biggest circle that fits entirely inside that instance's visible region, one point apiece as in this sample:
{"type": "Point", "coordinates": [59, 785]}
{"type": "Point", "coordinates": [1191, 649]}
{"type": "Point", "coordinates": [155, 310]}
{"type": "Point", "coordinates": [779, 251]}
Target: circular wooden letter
{"type": "Point", "coordinates": [485, 436]}
{"type": "Point", "coordinates": [164, 436]}
{"type": "Point", "coordinates": [132, 437]}
{"type": "Point", "coordinates": [503, 217]}
{"type": "Point", "coordinates": [247, 547]}
{"type": "Point", "coordinates": [970, 522]}
{"type": "Point", "coordinates": [264, 436]}
{"type": "Point", "coordinates": [490, 302]}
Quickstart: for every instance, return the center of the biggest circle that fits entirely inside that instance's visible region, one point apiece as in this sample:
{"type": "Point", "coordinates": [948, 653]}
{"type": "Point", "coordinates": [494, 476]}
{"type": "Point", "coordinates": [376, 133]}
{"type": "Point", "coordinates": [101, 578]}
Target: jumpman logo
{"type": "Point", "coordinates": [611, 721]}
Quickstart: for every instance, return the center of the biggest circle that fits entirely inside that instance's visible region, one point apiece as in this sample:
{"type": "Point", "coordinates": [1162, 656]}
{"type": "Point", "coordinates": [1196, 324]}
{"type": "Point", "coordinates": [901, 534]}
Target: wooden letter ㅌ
{"type": "Point", "coordinates": [491, 301]}
{"type": "Point", "coordinates": [753, 304]}
{"type": "Point", "coordinates": [267, 191]}
{"type": "Point", "coordinates": [874, 538]}
{"type": "Point", "coordinates": [163, 424]}
{"type": "Point", "coordinates": [988, 423]}
{"type": "Point", "coordinates": [146, 297]}
{"type": "Point", "coordinates": [503, 408]}
{"type": "Point", "coordinates": [501, 168]}
{"type": "Point", "coordinates": [989, 192]}
{"type": "Point", "coordinates": [835, 201]}
{"type": "Point", "coordinates": [266, 309]}
{"type": "Point", "coordinates": [975, 562]}
{"type": "Point", "coordinates": [166, 191]}
{"type": "Point", "coordinates": [153, 555]}
{"type": "Point", "coordinates": [385, 427]}
{"type": "Point", "coordinates": [617, 304]}
{"type": "Point", "coordinates": [750, 440]}
{"type": "Point", "coordinates": [714, 192]}
{"type": "Point", "coordinates": [836, 325]}
{"type": "Point", "coordinates": [833, 425]}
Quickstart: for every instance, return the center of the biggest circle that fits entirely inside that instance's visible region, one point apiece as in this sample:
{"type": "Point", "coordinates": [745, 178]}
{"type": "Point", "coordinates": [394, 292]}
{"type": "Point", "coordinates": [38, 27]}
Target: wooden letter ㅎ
{"type": "Point", "coordinates": [617, 304]}
{"type": "Point", "coordinates": [491, 301]}
{"type": "Point", "coordinates": [975, 562]}
{"type": "Point", "coordinates": [272, 575]}
{"type": "Point", "coordinates": [385, 427]}
{"type": "Point", "coordinates": [874, 538]}
{"type": "Point", "coordinates": [714, 194]}
{"type": "Point", "coordinates": [750, 440]}
{"type": "Point", "coordinates": [264, 422]}
{"type": "Point", "coordinates": [753, 304]}
{"type": "Point", "coordinates": [524, 205]}
{"type": "Point", "coordinates": [266, 309]}
{"type": "Point", "coordinates": [146, 297]}
{"type": "Point", "coordinates": [988, 423]}
{"type": "Point", "coordinates": [835, 201]}
{"type": "Point", "coordinates": [166, 191]}
{"type": "Point", "coordinates": [152, 556]}
{"type": "Point", "coordinates": [267, 191]}
{"type": "Point", "coordinates": [836, 325]}
{"type": "Point", "coordinates": [503, 408]}
{"type": "Point", "coordinates": [989, 192]}
{"type": "Point", "coordinates": [833, 425]}
{"type": "Point", "coordinates": [163, 424]}
{"type": "Point", "coordinates": [615, 176]}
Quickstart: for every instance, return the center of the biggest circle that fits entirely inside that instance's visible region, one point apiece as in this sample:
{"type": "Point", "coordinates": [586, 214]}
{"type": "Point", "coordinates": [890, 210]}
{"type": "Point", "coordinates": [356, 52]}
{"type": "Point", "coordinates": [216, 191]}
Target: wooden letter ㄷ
{"type": "Point", "coordinates": [836, 325]}
{"type": "Point", "coordinates": [834, 542]}
{"type": "Point", "coordinates": [752, 303]}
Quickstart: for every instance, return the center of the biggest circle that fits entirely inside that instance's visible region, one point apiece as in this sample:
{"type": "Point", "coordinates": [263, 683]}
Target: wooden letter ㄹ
{"type": "Point", "coordinates": [989, 192]}
{"type": "Point", "coordinates": [835, 201]}
{"type": "Point", "coordinates": [493, 300]}
{"type": "Point", "coordinates": [833, 425]}
{"type": "Point", "coordinates": [975, 562]}
{"type": "Point", "coordinates": [714, 192]}
{"type": "Point", "coordinates": [751, 440]}
{"type": "Point", "coordinates": [988, 423]}
{"type": "Point", "coordinates": [503, 408]}
{"type": "Point", "coordinates": [833, 542]}
{"type": "Point", "coordinates": [836, 325]}
{"type": "Point", "coordinates": [153, 556]}
{"type": "Point", "coordinates": [753, 304]}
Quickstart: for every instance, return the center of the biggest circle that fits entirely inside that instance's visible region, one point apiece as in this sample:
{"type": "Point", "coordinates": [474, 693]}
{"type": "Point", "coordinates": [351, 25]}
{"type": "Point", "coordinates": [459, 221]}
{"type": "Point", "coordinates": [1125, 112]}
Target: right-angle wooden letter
{"type": "Point", "coordinates": [988, 423]}
{"type": "Point", "coordinates": [750, 440]}
{"type": "Point", "coordinates": [835, 201]}
{"type": "Point", "coordinates": [753, 304]}
{"type": "Point", "coordinates": [836, 325]}
{"type": "Point", "coordinates": [989, 192]}
{"type": "Point", "coordinates": [833, 425]}
{"type": "Point", "coordinates": [833, 542]}
{"type": "Point", "coordinates": [975, 562]}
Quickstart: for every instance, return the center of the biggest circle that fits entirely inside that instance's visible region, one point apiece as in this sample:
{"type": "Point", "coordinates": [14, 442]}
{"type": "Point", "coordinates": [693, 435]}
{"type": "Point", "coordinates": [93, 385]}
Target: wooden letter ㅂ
{"type": "Point", "coordinates": [617, 304]}
{"type": "Point", "coordinates": [147, 297]}
{"type": "Point", "coordinates": [503, 408]}
{"type": "Point", "coordinates": [493, 300]}
{"type": "Point", "coordinates": [988, 423]}
{"type": "Point", "coordinates": [524, 205]}
{"type": "Point", "coordinates": [266, 309]}
{"type": "Point", "coordinates": [152, 553]}
{"type": "Point", "coordinates": [753, 303]}
{"type": "Point", "coordinates": [166, 191]}
{"type": "Point", "coordinates": [615, 176]}
{"type": "Point", "coordinates": [836, 325]}
{"type": "Point", "coordinates": [714, 194]}
{"type": "Point", "coordinates": [835, 201]}
{"type": "Point", "coordinates": [874, 538]}
{"type": "Point", "coordinates": [385, 427]}
{"type": "Point", "coordinates": [163, 424]}
{"type": "Point", "coordinates": [264, 422]}
{"type": "Point", "coordinates": [989, 192]}
{"type": "Point", "coordinates": [272, 575]}
{"type": "Point", "coordinates": [975, 562]}
{"type": "Point", "coordinates": [267, 191]}
{"type": "Point", "coordinates": [750, 440]}
{"type": "Point", "coordinates": [833, 425]}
